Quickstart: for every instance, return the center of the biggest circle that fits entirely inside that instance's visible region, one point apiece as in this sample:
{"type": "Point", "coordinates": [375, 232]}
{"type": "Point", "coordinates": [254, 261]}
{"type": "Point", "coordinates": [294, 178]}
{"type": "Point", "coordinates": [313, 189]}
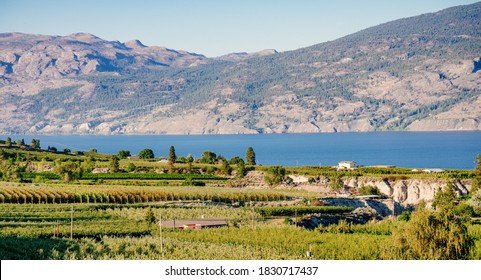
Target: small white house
{"type": "Point", "coordinates": [347, 165]}
{"type": "Point", "coordinates": [433, 170]}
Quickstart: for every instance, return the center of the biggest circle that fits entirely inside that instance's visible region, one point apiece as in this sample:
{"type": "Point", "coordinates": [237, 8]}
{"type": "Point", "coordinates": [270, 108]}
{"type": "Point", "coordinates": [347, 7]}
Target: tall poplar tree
{"type": "Point", "coordinates": [250, 156]}
{"type": "Point", "coordinates": [172, 156]}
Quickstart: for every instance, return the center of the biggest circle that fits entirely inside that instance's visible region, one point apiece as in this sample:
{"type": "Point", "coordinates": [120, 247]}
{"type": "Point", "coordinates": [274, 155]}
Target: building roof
{"type": "Point", "coordinates": [347, 161]}
{"type": "Point", "coordinates": [197, 222]}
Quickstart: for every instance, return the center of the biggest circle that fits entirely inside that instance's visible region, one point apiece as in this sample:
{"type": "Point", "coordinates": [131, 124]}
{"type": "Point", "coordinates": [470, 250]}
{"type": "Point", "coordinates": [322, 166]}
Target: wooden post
{"type": "Point", "coordinates": [309, 253]}
{"type": "Point", "coordinates": [71, 223]}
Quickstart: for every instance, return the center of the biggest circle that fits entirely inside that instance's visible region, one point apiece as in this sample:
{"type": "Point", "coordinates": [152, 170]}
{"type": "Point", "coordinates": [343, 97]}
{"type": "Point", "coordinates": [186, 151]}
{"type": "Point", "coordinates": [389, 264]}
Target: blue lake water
{"type": "Point", "coordinates": [456, 150]}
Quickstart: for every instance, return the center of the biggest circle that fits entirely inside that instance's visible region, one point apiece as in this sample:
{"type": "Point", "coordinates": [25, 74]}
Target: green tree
{"type": "Point", "coordinates": [93, 151]}
{"type": "Point", "coordinates": [146, 154]}
{"type": "Point", "coordinates": [88, 164]}
{"type": "Point", "coordinates": [189, 167]}
{"type": "Point", "coordinates": [275, 175]}
{"type": "Point", "coordinates": [445, 198]}
{"type": "Point", "coordinates": [208, 157]}
{"type": "Point", "coordinates": [172, 156]}
{"type": "Point", "coordinates": [8, 142]}
{"type": "Point", "coordinates": [476, 181]}
{"type": "Point", "coordinates": [35, 144]}
{"type": "Point", "coordinates": [69, 170]}
{"type": "Point", "coordinates": [250, 156]}
{"type": "Point", "coordinates": [114, 164]}
{"type": "Point", "coordinates": [9, 170]}
{"type": "Point", "coordinates": [67, 151]}
{"type": "Point", "coordinates": [235, 160]}
{"type": "Point", "coordinates": [189, 158]}
{"type": "Point", "coordinates": [123, 154]}
{"type": "Point", "coordinates": [150, 216]}
{"type": "Point", "coordinates": [181, 159]}
{"type": "Point", "coordinates": [241, 169]}
{"type": "Point", "coordinates": [225, 168]}
{"type": "Point", "coordinates": [131, 167]}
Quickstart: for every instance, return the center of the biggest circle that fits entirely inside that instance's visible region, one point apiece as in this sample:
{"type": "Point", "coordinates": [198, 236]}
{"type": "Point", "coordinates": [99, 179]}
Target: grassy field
{"type": "Point", "coordinates": [110, 231]}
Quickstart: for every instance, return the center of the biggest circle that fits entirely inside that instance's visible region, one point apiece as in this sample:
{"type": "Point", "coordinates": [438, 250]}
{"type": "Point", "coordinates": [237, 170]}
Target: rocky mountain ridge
{"type": "Point", "coordinates": [420, 74]}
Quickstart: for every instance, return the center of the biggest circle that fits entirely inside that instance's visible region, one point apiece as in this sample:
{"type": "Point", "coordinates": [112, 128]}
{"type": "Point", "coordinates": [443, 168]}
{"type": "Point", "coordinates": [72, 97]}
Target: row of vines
{"type": "Point", "coordinates": [120, 195]}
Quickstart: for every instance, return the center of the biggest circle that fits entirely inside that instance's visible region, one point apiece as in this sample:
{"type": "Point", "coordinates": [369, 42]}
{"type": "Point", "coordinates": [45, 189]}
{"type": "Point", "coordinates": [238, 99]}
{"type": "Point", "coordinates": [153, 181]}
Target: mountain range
{"type": "Point", "coordinates": [421, 73]}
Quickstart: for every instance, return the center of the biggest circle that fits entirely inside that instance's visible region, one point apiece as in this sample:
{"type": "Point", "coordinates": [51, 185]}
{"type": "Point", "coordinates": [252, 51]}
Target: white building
{"type": "Point", "coordinates": [347, 165]}
{"type": "Point", "coordinates": [433, 170]}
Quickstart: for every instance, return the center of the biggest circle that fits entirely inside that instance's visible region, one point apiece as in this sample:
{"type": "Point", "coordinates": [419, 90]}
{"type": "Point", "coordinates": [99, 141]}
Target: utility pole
{"type": "Point", "coordinates": [71, 223]}
{"type": "Point", "coordinates": [295, 211]}
{"type": "Point", "coordinates": [161, 237]}
{"type": "Point", "coordinates": [393, 211]}
{"type": "Point", "coordinates": [253, 218]}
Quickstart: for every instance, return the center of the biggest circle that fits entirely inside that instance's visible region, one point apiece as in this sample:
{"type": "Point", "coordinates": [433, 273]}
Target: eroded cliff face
{"type": "Point", "coordinates": [407, 192]}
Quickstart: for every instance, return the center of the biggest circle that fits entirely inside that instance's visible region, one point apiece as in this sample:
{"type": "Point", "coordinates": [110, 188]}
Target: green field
{"type": "Point", "coordinates": [107, 231]}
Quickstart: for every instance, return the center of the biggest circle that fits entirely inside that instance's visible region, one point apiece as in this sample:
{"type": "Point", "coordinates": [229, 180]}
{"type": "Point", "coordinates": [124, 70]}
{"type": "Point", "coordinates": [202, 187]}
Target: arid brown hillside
{"type": "Point", "coordinates": [420, 73]}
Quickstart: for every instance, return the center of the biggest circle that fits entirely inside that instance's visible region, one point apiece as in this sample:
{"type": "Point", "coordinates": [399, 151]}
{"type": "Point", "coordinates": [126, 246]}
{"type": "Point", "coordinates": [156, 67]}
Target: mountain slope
{"type": "Point", "coordinates": [419, 73]}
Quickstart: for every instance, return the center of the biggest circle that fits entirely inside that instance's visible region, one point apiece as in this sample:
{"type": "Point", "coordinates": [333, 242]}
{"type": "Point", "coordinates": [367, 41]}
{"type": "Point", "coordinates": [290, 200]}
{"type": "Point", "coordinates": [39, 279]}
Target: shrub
{"type": "Point", "coordinates": [369, 190]}
{"type": "Point", "coordinates": [316, 202]}
{"type": "Point", "coordinates": [275, 175]}
{"type": "Point", "coordinates": [464, 209]}
{"type": "Point", "coordinates": [288, 221]}
{"type": "Point", "coordinates": [336, 183]}
{"type": "Point", "coordinates": [404, 217]}
{"type": "Point", "coordinates": [150, 216]}
{"type": "Point", "coordinates": [430, 235]}
{"type": "Point", "coordinates": [475, 202]}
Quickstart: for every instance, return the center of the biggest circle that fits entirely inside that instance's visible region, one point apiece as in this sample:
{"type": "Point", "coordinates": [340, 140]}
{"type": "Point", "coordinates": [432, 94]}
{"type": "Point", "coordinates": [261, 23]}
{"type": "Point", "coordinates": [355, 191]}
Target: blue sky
{"type": "Point", "coordinates": [211, 27]}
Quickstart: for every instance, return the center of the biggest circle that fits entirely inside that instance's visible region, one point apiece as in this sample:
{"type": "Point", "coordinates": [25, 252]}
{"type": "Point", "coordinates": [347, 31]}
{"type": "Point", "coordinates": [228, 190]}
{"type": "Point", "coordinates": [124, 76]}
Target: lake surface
{"type": "Point", "coordinates": [456, 150]}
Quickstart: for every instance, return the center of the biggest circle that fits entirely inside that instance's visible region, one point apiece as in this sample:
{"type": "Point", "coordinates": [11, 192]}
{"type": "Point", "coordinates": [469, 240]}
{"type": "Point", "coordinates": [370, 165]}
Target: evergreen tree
{"type": "Point", "coordinates": [114, 164]}
{"type": "Point", "coordinates": [172, 156]}
{"type": "Point", "coordinates": [8, 142]}
{"type": "Point", "coordinates": [445, 199]}
{"type": "Point", "coordinates": [35, 143]}
{"type": "Point", "coordinates": [250, 156]}
{"type": "Point", "coordinates": [150, 216]}
{"type": "Point", "coordinates": [241, 169]}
